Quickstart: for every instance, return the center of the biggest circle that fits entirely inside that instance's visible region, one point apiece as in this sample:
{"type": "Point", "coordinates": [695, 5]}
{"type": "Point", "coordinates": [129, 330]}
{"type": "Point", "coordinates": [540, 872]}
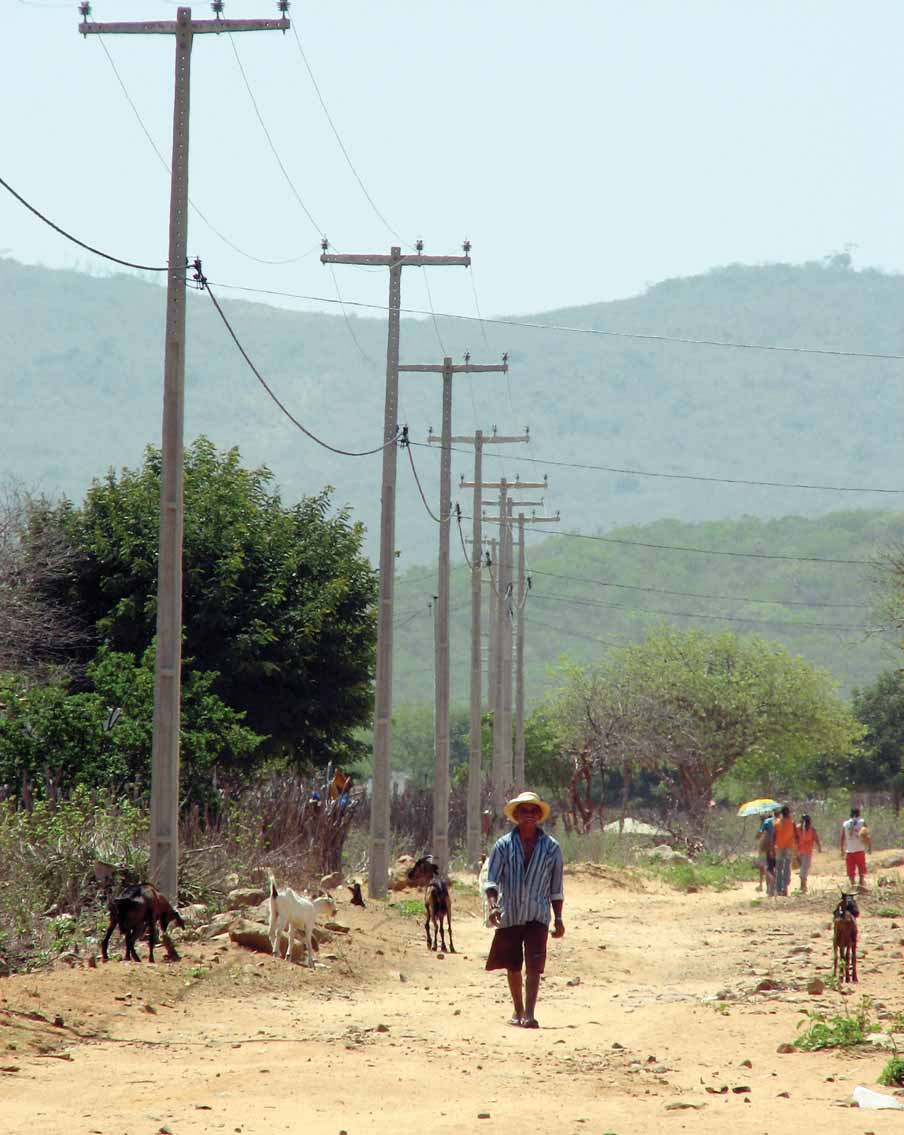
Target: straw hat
{"type": "Point", "coordinates": [527, 798]}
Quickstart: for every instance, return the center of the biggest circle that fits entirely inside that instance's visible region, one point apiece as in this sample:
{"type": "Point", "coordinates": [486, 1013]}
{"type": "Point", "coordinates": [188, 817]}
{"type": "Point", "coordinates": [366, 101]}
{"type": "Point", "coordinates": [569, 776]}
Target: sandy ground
{"type": "Point", "coordinates": [648, 1002]}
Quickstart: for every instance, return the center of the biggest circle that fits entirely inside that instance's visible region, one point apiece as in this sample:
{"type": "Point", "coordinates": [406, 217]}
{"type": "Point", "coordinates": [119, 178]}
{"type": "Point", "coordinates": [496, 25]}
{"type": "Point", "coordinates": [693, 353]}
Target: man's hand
{"type": "Point", "coordinates": [558, 930]}
{"type": "Point", "coordinates": [494, 917]}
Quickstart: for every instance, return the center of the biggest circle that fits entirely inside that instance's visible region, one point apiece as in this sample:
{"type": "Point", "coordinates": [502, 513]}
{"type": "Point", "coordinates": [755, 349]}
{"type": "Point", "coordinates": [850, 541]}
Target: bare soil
{"type": "Point", "coordinates": [650, 1021]}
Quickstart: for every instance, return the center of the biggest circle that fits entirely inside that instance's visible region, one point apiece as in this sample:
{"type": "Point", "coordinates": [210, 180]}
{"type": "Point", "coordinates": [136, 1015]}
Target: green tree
{"type": "Point", "coordinates": [880, 708]}
{"type": "Point", "coordinates": [696, 706]}
{"type": "Point", "coordinates": [278, 600]}
{"type": "Point", "coordinates": [53, 740]}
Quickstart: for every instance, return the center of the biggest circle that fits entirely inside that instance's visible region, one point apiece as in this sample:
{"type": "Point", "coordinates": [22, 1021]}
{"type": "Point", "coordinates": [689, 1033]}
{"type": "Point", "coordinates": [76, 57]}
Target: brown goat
{"type": "Point", "coordinates": [140, 907]}
{"type": "Point", "coordinates": [437, 900]}
{"type": "Point", "coordinates": [844, 941]}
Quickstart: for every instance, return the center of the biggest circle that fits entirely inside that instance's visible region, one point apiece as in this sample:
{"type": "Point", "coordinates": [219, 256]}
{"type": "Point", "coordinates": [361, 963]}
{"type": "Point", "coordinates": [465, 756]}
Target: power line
{"type": "Point", "coordinates": [687, 476]}
{"type": "Point", "coordinates": [698, 615]}
{"type": "Point", "coordinates": [417, 479]}
{"type": "Point", "coordinates": [598, 331]}
{"type": "Point", "coordinates": [260, 378]}
{"type": "Point", "coordinates": [574, 634]}
{"type": "Point", "coordinates": [225, 239]}
{"type": "Point", "coordinates": [75, 239]}
{"type": "Point", "coordinates": [699, 594]}
{"type": "Point", "coordinates": [341, 144]}
{"type": "Point", "coordinates": [701, 551]}
{"type": "Point", "coordinates": [270, 142]}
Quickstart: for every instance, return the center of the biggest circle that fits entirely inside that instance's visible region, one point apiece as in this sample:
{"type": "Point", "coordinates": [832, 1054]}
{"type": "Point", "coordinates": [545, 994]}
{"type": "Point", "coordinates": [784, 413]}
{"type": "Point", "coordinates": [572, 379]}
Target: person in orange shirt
{"type": "Point", "coordinates": [807, 836]}
{"type": "Point", "coordinates": [785, 847]}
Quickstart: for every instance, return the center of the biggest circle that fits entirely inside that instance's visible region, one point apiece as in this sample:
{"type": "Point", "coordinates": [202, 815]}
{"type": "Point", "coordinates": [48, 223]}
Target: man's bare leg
{"type": "Point", "coordinates": [533, 988]}
{"type": "Point", "coordinates": [516, 990]}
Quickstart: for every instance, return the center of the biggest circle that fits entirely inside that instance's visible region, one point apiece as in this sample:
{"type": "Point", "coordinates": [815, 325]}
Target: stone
{"type": "Point", "coordinates": [784, 1049]}
{"type": "Point", "coordinates": [255, 936]}
{"type": "Point", "coordinates": [245, 896]}
{"type": "Point", "coordinates": [816, 987]}
{"type": "Point", "coordinates": [220, 924]}
{"type": "Point", "coordinates": [769, 984]}
{"type": "Point", "coordinates": [573, 981]}
{"type": "Point", "coordinates": [398, 874]}
{"type": "Point", "coordinates": [338, 927]}
{"type": "Point", "coordinates": [193, 913]}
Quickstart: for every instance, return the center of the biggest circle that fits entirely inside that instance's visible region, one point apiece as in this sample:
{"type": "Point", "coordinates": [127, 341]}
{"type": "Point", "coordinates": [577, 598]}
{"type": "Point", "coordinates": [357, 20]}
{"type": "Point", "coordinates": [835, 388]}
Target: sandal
{"type": "Point", "coordinates": [516, 1020]}
{"type": "Point", "coordinates": [530, 1023]}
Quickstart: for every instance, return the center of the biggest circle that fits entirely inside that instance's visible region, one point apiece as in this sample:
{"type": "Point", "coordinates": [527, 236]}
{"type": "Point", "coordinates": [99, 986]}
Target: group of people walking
{"type": "Point", "coordinates": [781, 842]}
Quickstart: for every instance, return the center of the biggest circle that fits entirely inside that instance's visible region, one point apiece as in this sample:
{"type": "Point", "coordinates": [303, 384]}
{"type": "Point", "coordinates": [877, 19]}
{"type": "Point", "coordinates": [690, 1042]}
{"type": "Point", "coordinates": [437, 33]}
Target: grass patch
{"type": "Point", "coordinates": [838, 1031]}
{"type": "Point", "coordinates": [888, 912]}
{"type": "Point", "coordinates": [892, 1075]}
{"type": "Point", "coordinates": [408, 908]}
{"type": "Point", "coordinates": [706, 871]}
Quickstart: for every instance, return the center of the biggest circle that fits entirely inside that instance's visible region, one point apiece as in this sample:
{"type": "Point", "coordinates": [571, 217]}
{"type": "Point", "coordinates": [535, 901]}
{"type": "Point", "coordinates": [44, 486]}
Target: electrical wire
{"type": "Point", "coordinates": [75, 239]}
{"type": "Point", "coordinates": [535, 622]}
{"type": "Point", "coordinates": [698, 615]}
{"type": "Point", "coordinates": [698, 551]}
{"type": "Point", "coordinates": [341, 144]}
{"type": "Point", "coordinates": [420, 489]}
{"type": "Point", "coordinates": [683, 476]}
{"type": "Point", "coordinates": [699, 594]}
{"type": "Point", "coordinates": [598, 331]}
{"type": "Point", "coordinates": [202, 216]}
{"type": "Point", "coordinates": [461, 536]}
{"type": "Point", "coordinates": [260, 378]}
{"type": "Point", "coordinates": [270, 142]}
{"type": "Point", "coordinates": [439, 337]}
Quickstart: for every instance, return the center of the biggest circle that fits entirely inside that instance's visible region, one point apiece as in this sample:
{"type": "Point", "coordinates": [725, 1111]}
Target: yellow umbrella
{"type": "Point", "coordinates": [758, 807]}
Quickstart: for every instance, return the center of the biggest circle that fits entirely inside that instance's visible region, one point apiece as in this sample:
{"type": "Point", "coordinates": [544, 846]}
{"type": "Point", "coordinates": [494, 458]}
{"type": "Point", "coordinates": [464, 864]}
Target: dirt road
{"type": "Point", "coordinates": [649, 1001]}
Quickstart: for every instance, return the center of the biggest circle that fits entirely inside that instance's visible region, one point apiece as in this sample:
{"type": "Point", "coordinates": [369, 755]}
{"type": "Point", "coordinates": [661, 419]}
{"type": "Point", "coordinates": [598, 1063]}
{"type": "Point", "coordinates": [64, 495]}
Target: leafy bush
{"type": "Point", "coordinates": [837, 1031]}
{"type": "Point", "coordinates": [892, 1075]}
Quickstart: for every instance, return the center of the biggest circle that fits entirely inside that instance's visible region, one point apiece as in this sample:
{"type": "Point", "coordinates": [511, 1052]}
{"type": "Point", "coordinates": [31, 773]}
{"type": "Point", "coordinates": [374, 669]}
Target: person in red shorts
{"type": "Point", "coordinates": [855, 843]}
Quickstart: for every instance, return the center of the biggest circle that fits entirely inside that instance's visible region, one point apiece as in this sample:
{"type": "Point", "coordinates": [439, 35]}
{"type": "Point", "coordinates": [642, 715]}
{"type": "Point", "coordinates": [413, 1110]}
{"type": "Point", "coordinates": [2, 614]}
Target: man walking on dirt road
{"type": "Point", "coordinates": [524, 878]}
{"type": "Point", "coordinates": [855, 843]}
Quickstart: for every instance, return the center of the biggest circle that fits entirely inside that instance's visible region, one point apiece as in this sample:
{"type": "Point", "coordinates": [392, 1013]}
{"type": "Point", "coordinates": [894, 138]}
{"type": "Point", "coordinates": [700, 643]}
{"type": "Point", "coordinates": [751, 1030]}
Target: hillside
{"type": "Point", "coordinates": [81, 372]}
{"type": "Point", "coordinates": [80, 376]}
{"type": "Point", "coordinates": [587, 595]}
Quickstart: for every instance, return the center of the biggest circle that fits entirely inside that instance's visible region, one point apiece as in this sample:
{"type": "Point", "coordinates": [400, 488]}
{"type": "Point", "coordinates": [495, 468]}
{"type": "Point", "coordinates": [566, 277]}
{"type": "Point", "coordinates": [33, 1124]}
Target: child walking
{"type": "Point", "coordinates": [807, 837]}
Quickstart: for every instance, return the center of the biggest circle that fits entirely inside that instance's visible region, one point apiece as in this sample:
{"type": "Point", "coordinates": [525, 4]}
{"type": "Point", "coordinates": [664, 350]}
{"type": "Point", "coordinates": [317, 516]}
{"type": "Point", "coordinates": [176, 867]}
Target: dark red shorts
{"type": "Point", "coordinates": [514, 946]}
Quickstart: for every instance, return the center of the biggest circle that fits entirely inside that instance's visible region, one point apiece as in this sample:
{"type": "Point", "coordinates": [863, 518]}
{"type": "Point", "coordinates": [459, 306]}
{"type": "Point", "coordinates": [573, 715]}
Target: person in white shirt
{"type": "Point", "coordinates": [855, 843]}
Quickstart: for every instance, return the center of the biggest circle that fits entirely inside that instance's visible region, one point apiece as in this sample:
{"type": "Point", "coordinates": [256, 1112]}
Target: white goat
{"type": "Point", "coordinates": [291, 912]}
{"type": "Point", "coordinates": [482, 887]}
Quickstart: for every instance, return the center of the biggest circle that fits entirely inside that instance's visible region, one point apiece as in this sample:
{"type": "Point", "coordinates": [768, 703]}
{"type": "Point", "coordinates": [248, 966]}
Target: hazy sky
{"type": "Point", "coordinates": [586, 149]}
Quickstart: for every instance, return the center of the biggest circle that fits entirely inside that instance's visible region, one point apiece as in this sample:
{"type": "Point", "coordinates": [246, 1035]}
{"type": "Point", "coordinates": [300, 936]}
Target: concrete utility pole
{"type": "Point", "coordinates": [491, 629]}
{"type": "Point", "coordinates": [164, 865]}
{"type": "Point", "coordinates": [475, 755]}
{"type": "Point", "coordinates": [518, 606]}
{"type": "Point", "coordinates": [441, 667]}
{"type": "Point", "coordinates": [519, 643]}
{"type": "Point", "coordinates": [501, 587]}
{"type": "Point", "coordinates": [378, 859]}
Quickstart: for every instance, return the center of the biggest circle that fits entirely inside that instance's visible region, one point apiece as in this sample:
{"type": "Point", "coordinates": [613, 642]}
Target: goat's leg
{"type": "Point", "coordinates": [309, 937]}
{"type": "Point", "coordinates": [427, 929]}
{"type": "Point", "coordinates": [449, 920]}
{"type": "Point", "coordinates": [290, 940]}
{"type": "Point", "coordinates": [106, 942]}
{"type": "Point", "coordinates": [854, 957]}
{"type": "Point", "coordinates": [131, 952]}
{"type": "Point", "coordinates": [442, 931]}
{"type": "Point", "coordinates": [835, 956]}
{"type": "Point", "coordinates": [152, 938]}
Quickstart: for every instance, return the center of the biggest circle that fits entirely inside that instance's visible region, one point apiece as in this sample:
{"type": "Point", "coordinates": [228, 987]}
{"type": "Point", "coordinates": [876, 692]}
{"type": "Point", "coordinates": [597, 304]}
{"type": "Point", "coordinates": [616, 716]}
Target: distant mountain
{"type": "Point", "coordinates": [81, 374]}
{"type": "Point", "coordinates": [588, 595]}
{"type": "Point", "coordinates": [81, 377]}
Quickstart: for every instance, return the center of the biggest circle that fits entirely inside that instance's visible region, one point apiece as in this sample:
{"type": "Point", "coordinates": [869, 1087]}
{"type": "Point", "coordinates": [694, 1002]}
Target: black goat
{"type": "Point", "coordinates": [357, 897]}
{"type": "Point", "coordinates": [137, 909]}
{"type": "Point", "coordinates": [437, 900]}
{"type": "Point", "coordinates": [844, 937]}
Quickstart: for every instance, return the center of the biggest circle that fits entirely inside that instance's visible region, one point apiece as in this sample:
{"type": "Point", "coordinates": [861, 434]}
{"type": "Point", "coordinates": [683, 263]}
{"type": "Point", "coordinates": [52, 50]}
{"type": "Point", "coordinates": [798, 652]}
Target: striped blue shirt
{"type": "Point", "coordinates": [524, 896]}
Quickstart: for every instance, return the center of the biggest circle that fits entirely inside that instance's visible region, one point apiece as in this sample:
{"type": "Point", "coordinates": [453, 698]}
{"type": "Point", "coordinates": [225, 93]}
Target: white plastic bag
{"type": "Point", "coordinates": [867, 1098]}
